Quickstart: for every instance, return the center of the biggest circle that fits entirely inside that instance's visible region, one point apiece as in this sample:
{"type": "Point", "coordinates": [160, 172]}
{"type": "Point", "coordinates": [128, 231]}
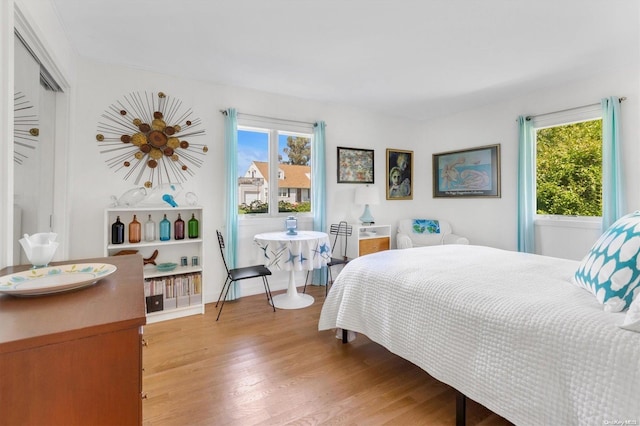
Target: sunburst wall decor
{"type": "Point", "coordinates": [149, 137]}
{"type": "Point", "coordinates": [25, 130]}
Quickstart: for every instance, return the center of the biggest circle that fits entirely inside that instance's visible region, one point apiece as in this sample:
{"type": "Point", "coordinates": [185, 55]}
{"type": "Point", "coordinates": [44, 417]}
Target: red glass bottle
{"type": "Point", "coordinates": [178, 228]}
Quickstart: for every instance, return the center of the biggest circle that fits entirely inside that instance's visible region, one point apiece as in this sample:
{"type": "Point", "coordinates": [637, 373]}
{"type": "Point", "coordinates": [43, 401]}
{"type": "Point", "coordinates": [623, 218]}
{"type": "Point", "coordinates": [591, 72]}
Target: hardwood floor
{"type": "Point", "coordinates": [257, 367]}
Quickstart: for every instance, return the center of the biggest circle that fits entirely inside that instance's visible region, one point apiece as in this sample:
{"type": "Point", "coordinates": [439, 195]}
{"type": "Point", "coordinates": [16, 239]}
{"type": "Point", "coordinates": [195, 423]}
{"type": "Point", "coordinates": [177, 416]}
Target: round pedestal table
{"type": "Point", "coordinates": [305, 251]}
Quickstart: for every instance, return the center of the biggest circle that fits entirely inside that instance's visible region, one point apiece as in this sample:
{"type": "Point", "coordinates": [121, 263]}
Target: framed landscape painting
{"type": "Point", "coordinates": [355, 165]}
{"type": "Point", "coordinates": [471, 172]}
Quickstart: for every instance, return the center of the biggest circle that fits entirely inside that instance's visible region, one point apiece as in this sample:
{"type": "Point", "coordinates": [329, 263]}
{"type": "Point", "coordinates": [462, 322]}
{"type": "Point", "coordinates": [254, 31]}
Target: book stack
{"type": "Point", "coordinates": [173, 291]}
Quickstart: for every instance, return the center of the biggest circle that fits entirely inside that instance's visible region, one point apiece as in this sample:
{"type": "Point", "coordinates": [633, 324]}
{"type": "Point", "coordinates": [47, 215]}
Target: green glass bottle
{"type": "Point", "coordinates": [193, 226]}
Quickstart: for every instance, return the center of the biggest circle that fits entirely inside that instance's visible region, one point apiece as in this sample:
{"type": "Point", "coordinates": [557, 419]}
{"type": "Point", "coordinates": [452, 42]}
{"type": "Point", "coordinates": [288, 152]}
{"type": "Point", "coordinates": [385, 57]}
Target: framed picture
{"type": "Point", "coordinates": [399, 174]}
{"type": "Point", "coordinates": [355, 165]}
{"type": "Point", "coordinates": [471, 172]}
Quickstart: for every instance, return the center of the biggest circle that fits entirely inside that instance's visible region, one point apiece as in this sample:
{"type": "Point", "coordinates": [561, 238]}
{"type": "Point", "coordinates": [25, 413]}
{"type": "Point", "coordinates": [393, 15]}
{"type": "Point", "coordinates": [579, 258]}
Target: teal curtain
{"type": "Point", "coordinates": [231, 179]}
{"type": "Point", "coordinates": [526, 185]}
{"type": "Point", "coordinates": [612, 188]}
{"type": "Point", "coordinates": [319, 189]}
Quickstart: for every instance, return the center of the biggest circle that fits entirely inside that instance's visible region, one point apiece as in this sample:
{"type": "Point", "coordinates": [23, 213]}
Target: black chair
{"type": "Point", "coordinates": [244, 273]}
{"type": "Point", "coordinates": [340, 231]}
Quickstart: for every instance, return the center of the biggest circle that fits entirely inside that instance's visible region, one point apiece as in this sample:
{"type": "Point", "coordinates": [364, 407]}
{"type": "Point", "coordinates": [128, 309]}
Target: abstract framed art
{"type": "Point", "coordinates": [355, 165]}
{"type": "Point", "coordinates": [473, 172]}
{"type": "Point", "coordinates": [399, 174]}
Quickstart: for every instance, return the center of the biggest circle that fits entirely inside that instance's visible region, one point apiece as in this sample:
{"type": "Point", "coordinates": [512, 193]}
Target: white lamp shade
{"type": "Point", "coordinates": [367, 195]}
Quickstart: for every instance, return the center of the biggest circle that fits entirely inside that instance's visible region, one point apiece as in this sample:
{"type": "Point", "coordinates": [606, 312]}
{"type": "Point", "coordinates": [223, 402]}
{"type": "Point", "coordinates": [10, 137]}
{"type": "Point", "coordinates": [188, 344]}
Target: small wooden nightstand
{"type": "Point", "coordinates": [367, 239]}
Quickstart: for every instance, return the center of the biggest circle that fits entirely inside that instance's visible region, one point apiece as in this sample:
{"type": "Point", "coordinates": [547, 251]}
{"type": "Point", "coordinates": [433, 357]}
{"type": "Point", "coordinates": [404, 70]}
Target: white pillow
{"type": "Point", "coordinates": [632, 319]}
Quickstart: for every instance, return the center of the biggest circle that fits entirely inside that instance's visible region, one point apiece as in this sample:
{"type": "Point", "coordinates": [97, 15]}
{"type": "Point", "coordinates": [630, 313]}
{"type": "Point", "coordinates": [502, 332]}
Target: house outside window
{"type": "Point", "coordinates": [274, 168]}
{"type": "Point", "coordinates": [569, 166]}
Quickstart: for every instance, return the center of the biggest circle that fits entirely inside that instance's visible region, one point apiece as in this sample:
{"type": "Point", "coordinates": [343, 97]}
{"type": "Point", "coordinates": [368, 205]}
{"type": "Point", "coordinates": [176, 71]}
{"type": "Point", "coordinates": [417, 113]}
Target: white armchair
{"type": "Point", "coordinates": [423, 232]}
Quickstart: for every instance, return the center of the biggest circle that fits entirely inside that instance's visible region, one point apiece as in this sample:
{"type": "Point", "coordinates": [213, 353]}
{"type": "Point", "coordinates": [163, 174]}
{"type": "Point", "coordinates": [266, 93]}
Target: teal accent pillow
{"type": "Point", "coordinates": [425, 226]}
{"type": "Point", "coordinates": [610, 270]}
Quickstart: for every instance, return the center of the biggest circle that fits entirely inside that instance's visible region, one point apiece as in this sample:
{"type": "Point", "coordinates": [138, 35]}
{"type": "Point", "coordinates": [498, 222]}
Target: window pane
{"type": "Point", "coordinates": [294, 172]}
{"type": "Point", "coordinates": [253, 171]}
{"type": "Point", "coordinates": [569, 169]}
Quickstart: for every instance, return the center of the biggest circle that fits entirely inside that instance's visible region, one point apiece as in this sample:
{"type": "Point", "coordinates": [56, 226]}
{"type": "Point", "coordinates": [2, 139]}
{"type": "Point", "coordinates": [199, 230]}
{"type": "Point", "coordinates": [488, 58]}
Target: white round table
{"type": "Point", "coordinates": [307, 250]}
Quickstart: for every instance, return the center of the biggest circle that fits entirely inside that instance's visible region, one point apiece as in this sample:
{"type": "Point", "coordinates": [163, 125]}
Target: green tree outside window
{"type": "Point", "coordinates": [569, 169]}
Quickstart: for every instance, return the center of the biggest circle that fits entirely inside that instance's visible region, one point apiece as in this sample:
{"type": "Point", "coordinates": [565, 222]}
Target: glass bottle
{"type": "Point", "coordinates": [178, 227]}
{"type": "Point", "coordinates": [135, 230]}
{"type": "Point", "coordinates": [193, 226]}
{"type": "Point", "coordinates": [150, 230]}
{"type": "Point", "coordinates": [117, 232]}
{"type": "Point", "coordinates": [165, 229]}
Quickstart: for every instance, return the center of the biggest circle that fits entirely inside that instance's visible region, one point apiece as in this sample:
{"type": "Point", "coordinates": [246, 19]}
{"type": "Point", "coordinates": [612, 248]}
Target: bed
{"type": "Point", "coordinates": [509, 330]}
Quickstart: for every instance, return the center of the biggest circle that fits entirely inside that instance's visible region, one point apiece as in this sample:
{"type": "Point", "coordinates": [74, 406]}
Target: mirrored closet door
{"type": "Point", "coordinates": [34, 143]}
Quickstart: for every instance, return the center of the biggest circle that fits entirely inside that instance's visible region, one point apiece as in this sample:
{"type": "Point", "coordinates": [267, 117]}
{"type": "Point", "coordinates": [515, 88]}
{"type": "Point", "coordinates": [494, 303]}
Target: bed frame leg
{"type": "Point", "coordinates": [344, 336]}
{"type": "Point", "coordinates": [461, 409]}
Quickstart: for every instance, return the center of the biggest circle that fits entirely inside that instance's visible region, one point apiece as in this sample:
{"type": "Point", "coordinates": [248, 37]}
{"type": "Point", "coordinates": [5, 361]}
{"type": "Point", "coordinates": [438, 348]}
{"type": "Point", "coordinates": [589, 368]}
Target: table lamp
{"type": "Point", "coordinates": [367, 195]}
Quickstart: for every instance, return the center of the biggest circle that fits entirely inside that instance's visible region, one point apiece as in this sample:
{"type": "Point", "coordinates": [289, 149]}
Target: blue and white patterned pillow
{"type": "Point", "coordinates": [611, 270]}
{"type": "Point", "coordinates": [425, 226]}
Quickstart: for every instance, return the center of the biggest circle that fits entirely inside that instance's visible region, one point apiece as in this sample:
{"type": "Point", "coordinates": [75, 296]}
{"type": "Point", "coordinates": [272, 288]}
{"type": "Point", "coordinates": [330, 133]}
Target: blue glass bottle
{"type": "Point", "coordinates": [165, 229]}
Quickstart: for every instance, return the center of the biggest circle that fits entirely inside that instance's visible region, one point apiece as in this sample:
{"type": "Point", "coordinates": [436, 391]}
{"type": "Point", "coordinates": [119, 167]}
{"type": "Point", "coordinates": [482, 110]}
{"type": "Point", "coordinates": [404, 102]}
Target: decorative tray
{"type": "Point", "coordinates": [54, 279]}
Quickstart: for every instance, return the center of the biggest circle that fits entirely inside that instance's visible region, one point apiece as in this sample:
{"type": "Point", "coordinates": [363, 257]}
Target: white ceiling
{"type": "Point", "coordinates": [409, 58]}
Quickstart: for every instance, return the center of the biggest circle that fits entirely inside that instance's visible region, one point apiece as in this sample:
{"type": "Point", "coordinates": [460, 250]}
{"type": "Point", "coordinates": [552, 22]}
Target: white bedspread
{"type": "Point", "coordinates": [509, 330]}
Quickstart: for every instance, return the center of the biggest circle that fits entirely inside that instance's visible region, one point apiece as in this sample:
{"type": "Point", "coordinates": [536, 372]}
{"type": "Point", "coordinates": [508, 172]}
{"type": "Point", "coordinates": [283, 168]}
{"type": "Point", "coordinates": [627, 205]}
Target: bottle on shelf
{"type": "Point", "coordinates": [165, 229]}
{"type": "Point", "coordinates": [117, 232]}
{"type": "Point", "coordinates": [193, 226]}
{"type": "Point", "coordinates": [178, 228]}
{"type": "Point", "coordinates": [150, 230]}
{"type": "Point", "coordinates": [135, 230]}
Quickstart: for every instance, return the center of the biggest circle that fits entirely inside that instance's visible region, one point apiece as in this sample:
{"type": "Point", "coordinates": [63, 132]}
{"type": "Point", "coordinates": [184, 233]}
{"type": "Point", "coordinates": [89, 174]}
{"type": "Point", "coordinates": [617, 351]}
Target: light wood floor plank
{"type": "Point", "coordinates": [257, 367]}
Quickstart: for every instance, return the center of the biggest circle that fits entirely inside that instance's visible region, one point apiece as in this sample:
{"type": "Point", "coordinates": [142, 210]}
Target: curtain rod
{"type": "Point", "coordinates": [529, 117]}
{"type": "Point", "coordinates": [224, 112]}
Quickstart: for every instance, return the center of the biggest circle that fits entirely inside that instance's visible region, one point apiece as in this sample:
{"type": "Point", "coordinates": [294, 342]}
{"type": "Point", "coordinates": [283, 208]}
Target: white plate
{"type": "Point", "coordinates": [54, 279]}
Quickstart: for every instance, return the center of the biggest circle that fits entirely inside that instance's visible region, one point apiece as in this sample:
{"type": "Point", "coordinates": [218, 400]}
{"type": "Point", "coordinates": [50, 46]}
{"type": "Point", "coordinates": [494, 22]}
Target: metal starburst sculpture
{"type": "Point", "coordinates": [150, 137]}
{"type": "Point", "coordinates": [25, 130]}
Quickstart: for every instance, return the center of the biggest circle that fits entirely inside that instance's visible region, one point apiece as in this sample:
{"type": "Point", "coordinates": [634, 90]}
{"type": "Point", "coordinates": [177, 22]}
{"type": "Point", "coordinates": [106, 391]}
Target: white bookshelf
{"type": "Point", "coordinates": [170, 251]}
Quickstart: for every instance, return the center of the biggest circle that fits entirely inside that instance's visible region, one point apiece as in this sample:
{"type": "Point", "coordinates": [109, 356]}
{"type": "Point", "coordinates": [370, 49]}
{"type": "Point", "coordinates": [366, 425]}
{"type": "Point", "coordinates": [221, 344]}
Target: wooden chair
{"type": "Point", "coordinates": [238, 274]}
{"type": "Point", "coordinates": [340, 231]}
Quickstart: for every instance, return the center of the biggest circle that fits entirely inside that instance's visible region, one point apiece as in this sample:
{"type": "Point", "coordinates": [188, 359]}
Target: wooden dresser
{"type": "Point", "coordinates": [74, 358]}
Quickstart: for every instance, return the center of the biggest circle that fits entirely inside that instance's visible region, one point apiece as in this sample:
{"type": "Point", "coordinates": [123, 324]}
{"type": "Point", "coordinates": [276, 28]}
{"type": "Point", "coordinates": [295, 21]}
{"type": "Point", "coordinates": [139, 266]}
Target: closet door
{"type": "Point", "coordinates": [34, 118]}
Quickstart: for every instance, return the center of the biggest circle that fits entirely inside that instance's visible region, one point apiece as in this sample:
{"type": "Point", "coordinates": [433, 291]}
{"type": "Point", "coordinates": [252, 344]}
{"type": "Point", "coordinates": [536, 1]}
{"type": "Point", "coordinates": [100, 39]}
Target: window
{"type": "Point", "coordinates": [274, 169]}
{"type": "Point", "coordinates": [569, 169]}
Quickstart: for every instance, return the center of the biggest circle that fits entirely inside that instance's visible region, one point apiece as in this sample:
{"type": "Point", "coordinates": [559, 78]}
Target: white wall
{"type": "Point", "coordinates": [493, 221]}
{"type": "Point", "coordinates": [484, 221]}
{"type": "Point", "coordinates": [91, 183]}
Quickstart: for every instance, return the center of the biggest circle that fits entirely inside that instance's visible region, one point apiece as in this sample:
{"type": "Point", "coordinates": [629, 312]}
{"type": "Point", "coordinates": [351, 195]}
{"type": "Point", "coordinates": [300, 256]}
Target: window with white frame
{"type": "Point", "coordinates": [274, 170]}
{"type": "Point", "coordinates": [569, 164]}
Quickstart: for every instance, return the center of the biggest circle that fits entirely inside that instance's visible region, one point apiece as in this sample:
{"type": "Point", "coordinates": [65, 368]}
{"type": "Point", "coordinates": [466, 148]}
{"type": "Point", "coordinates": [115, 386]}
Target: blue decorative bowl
{"type": "Point", "coordinates": [166, 267]}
